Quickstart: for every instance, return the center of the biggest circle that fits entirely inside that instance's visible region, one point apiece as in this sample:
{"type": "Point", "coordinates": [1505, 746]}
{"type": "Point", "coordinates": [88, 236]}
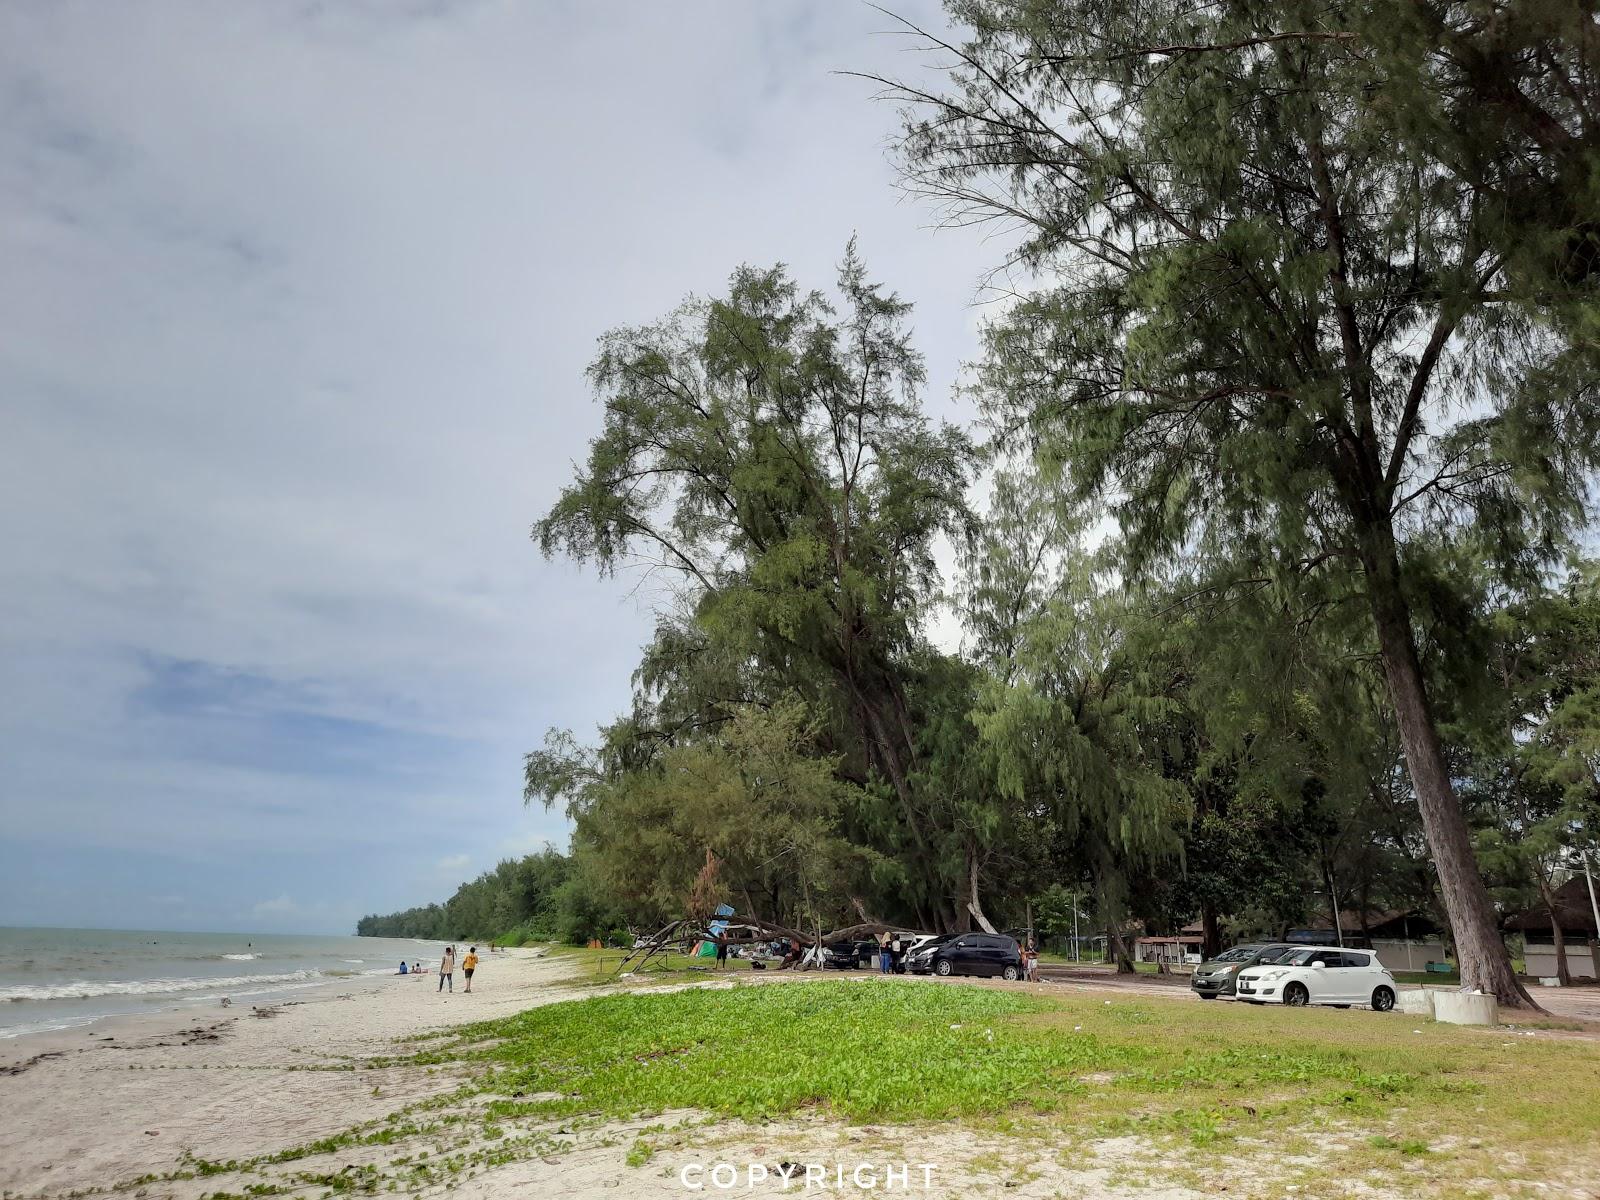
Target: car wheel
{"type": "Point", "coordinates": [1296, 996]}
{"type": "Point", "coordinates": [943, 967]}
{"type": "Point", "coordinates": [1009, 973]}
{"type": "Point", "coordinates": [1383, 999]}
{"type": "Point", "coordinates": [1207, 996]}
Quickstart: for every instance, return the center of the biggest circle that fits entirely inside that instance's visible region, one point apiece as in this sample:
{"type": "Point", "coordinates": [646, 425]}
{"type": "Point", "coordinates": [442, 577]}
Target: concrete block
{"type": "Point", "coordinates": [1466, 1008]}
{"type": "Point", "coordinates": [1416, 1001]}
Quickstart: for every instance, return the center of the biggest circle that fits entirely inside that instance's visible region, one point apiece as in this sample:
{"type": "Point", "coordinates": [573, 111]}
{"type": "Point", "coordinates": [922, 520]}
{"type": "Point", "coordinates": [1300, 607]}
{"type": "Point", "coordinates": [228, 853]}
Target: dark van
{"type": "Point", "coordinates": [969, 954]}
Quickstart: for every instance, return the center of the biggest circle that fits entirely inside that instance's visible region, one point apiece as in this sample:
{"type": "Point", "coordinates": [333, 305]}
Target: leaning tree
{"type": "Point", "coordinates": [1310, 282]}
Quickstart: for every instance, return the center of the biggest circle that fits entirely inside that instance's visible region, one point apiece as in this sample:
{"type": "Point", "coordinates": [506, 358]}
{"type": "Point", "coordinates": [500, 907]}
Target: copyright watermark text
{"type": "Point", "coordinates": [809, 1177]}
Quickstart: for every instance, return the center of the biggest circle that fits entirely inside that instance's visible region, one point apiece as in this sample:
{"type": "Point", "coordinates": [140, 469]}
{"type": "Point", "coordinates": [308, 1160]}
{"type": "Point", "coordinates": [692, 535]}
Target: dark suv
{"type": "Point", "coordinates": [969, 954]}
{"type": "Point", "coordinates": [1219, 976]}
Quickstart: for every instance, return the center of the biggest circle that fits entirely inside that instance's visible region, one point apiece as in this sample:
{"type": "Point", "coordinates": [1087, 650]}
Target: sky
{"type": "Point", "coordinates": [297, 303]}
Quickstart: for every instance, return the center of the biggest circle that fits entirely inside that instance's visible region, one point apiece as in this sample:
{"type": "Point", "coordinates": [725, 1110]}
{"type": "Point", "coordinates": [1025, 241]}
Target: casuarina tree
{"type": "Point", "coordinates": [1305, 284]}
{"type": "Point", "coordinates": [769, 454]}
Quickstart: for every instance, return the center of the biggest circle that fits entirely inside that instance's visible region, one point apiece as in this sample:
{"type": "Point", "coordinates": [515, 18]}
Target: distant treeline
{"type": "Point", "coordinates": [541, 897]}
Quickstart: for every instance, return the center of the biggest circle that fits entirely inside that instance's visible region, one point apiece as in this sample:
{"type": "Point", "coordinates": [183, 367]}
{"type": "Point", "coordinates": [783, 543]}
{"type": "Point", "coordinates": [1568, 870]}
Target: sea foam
{"type": "Point", "coordinates": [88, 989]}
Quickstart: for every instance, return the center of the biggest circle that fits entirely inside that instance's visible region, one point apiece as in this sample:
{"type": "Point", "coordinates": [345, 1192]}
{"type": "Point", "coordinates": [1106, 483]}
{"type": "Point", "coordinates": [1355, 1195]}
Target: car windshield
{"type": "Point", "coordinates": [1276, 953]}
{"type": "Point", "coordinates": [1238, 954]}
{"type": "Point", "coordinates": [1297, 958]}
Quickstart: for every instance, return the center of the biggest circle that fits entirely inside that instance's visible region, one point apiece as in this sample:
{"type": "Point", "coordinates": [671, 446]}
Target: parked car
{"type": "Point", "coordinates": [847, 956]}
{"type": "Point", "coordinates": [1313, 976]}
{"type": "Point", "coordinates": [1216, 978]}
{"type": "Point", "coordinates": [968, 954]}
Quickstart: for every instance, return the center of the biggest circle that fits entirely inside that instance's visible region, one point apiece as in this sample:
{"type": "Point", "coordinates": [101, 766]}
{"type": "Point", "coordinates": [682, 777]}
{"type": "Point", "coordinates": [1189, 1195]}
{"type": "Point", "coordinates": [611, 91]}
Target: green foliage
{"type": "Point", "coordinates": [756, 800]}
{"type": "Point", "coordinates": [1310, 365]}
{"type": "Point", "coordinates": [1286, 324]}
{"type": "Point", "coordinates": [535, 898]}
{"type": "Point", "coordinates": [768, 452]}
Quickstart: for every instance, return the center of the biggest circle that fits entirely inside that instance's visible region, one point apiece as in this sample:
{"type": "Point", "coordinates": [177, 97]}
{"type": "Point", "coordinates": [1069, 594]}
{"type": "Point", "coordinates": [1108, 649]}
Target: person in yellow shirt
{"type": "Point", "coordinates": [469, 964]}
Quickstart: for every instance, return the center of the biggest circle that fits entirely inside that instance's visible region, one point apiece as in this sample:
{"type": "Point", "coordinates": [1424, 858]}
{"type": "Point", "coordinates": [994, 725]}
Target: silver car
{"type": "Point", "coordinates": [1219, 976]}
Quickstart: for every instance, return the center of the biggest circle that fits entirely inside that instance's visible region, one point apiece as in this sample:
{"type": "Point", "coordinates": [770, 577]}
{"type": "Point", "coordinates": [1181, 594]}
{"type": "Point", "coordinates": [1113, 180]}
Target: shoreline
{"type": "Point", "coordinates": [137, 1095]}
{"type": "Point", "coordinates": [170, 1018]}
{"type": "Point", "coordinates": [67, 980]}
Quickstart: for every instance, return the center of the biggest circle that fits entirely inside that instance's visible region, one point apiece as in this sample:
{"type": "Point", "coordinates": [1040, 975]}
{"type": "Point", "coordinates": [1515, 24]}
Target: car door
{"type": "Point", "coordinates": [991, 957]}
{"type": "Point", "coordinates": [985, 955]}
{"type": "Point", "coordinates": [997, 954]}
{"type": "Point", "coordinates": [959, 952]}
{"type": "Point", "coordinates": [1345, 976]}
{"type": "Point", "coordinates": [1361, 971]}
{"type": "Point", "coordinates": [1329, 979]}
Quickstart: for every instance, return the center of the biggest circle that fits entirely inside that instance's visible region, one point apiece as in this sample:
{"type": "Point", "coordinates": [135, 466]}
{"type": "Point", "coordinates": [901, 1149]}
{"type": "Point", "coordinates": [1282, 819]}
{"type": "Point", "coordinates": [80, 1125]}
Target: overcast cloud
{"type": "Point", "coordinates": [297, 302]}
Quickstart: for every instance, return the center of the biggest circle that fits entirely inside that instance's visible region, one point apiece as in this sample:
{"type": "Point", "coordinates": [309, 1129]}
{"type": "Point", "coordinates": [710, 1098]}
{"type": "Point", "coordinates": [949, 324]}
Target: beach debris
{"type": "Point", "coordinates": [152, 1133]}
{"type": "Point", "coordinates": [19, 1067]}
{"type": "Point", "coordinates": [226, 1002]}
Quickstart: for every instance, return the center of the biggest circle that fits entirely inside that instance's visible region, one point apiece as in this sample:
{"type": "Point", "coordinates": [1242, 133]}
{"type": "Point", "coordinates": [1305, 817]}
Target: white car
{"type": "Point", "coordinates": [1314, 975]}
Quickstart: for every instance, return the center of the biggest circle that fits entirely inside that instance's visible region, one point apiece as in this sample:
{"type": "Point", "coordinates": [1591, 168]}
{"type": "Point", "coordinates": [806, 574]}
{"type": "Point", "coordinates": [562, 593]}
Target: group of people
{"type": "Point", "coordinates": [447, 968]}
{"type": "Point", "coordinates": [891, 951]}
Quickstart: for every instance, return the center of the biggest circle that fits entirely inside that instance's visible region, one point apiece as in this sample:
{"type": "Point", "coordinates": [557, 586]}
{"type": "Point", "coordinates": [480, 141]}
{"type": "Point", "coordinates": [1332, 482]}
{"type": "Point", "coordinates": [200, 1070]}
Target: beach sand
{"type": "Point", "coordinates": [129, 1096]}
{"type": "Point", "coordinates": [126, 1106]}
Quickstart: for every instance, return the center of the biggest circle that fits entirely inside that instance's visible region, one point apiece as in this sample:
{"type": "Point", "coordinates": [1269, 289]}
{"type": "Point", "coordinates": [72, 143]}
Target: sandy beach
{"type": "Point", "coordinates": [131, 1102]}
{"type": "Point", "coordinates": [129, 1105]}
{"type": "Point", "coordinates": [126, 1097]}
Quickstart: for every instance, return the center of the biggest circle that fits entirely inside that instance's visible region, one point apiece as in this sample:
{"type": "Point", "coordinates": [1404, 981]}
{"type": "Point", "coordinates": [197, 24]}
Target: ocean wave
{"type": "Point", "coordinates": [88, 989]}
{"type": "Point", "coordinates": [357, 961]}
{"type": "Point", "coordinates": [238, 957]}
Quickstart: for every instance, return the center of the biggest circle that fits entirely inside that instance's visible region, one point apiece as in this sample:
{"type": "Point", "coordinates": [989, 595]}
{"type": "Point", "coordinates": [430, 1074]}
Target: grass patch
{"type": "Point", "coordinates": [901, 1051]}
{"type": "Point", "coordinates": [876, 1050]}
{"type": "Point", "coordinates": [1203, 1084]}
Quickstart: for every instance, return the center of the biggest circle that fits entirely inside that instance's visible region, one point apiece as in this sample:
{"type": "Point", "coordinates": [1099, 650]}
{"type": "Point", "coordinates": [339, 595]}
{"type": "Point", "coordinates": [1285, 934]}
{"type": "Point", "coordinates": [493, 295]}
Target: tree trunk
{"type": "Point", "coordinates": [973, 904]}
{"type": "Point", "coordinates": [1560, 939]}
{"type": "Point", "coordinates": [1547, 897]}
{"type": "Point", "coordinates": [1116, 945]}
{"type": "Point", "coordinates": [1485, 962]}
{"type": "Point", "coordinates": [1210, 931]}
{"type": "Point", "coordinates": [1120, 954]}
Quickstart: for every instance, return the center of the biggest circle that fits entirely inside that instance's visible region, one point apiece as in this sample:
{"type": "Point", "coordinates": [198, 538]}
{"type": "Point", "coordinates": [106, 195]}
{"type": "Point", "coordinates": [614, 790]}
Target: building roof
{"type": "Point", "coordinates": [1572, 905]}
{"type": "Point", "coordinates": [1380, 923]}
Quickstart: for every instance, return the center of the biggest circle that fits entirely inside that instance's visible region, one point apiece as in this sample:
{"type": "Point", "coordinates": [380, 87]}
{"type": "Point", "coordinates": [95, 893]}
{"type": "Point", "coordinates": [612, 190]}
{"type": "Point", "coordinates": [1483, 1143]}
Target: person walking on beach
{"type": "Point", "coordinates": [469, 964]}
{"type": "Point", "coordinates": [447, 969]}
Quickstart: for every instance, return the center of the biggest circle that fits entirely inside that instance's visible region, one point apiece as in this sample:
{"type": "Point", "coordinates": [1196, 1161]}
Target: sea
{"type": "Point", "coordinates": [62, 978]}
